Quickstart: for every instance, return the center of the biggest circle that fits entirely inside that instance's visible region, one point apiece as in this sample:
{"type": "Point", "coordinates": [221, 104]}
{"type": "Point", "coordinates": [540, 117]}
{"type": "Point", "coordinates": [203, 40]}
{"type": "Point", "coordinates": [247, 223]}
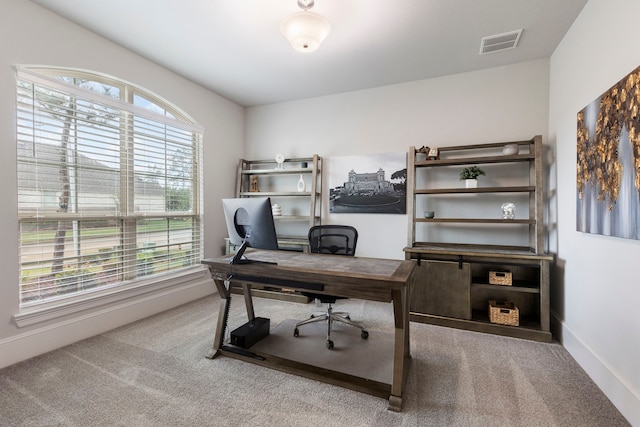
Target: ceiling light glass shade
{"type": "Point", "coordinates": [305, 30]}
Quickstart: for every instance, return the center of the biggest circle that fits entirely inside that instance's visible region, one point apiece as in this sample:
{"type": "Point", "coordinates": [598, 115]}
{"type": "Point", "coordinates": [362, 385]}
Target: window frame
{"type": "Point", "coordinates": [33, 312]}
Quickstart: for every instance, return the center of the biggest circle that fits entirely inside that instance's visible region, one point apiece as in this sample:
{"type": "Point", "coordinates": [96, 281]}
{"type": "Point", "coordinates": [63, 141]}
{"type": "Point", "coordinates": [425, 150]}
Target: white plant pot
{"type": "Point", "coordinates": [471, 183]}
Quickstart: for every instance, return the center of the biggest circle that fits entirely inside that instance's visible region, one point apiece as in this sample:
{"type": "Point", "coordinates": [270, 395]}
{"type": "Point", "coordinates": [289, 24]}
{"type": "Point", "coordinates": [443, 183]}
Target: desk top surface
{"type": "Point", "coordinates": [340, 275]}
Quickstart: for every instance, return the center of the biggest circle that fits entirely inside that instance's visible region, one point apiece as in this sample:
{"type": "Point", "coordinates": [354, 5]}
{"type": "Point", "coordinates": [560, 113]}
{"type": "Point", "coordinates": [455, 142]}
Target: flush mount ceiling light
{"type": "Point", "coordinates": [305, 30]}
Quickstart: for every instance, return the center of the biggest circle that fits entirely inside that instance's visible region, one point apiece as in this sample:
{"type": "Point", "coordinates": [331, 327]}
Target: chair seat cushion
{"type": "Point", "coordinates": [325, 299]}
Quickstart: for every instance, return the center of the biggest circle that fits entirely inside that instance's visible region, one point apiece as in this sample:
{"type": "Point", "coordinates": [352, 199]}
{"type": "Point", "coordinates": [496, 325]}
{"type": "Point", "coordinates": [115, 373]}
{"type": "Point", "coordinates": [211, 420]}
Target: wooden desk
{"type": "Point", "coordinates": [353, 277]}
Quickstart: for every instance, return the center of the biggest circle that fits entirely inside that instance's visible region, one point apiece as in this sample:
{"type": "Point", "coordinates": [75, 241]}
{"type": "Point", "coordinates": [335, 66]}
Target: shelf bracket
{"type": "Point", "coordinates": [460, 262]}
{"type": "Point", "coordinates": [419, 258]}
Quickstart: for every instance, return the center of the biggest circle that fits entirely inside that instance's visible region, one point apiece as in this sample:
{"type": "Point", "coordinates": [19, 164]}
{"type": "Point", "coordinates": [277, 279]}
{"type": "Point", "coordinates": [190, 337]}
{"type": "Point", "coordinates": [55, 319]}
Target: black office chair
{"type": "Point", "coordinates": [335, 240]}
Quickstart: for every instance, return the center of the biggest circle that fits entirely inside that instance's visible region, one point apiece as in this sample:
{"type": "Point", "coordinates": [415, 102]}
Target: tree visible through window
{"type": "Point", "coordinates": [108, 184]}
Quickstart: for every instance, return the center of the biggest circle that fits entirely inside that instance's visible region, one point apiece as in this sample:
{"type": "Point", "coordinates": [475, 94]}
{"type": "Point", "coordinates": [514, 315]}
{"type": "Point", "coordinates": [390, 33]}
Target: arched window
{"type": "Point", "coordinates": [108, 184]}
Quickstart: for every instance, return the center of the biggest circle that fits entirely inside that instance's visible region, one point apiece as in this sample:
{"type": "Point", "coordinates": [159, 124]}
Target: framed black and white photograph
{"type": "Point", "coordinates": [372, 183]}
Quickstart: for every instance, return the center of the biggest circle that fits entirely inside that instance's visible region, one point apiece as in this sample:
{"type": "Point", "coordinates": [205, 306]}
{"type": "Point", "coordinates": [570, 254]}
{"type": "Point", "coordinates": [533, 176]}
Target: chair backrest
{"type": "Point", "coordinates": [333, 239]}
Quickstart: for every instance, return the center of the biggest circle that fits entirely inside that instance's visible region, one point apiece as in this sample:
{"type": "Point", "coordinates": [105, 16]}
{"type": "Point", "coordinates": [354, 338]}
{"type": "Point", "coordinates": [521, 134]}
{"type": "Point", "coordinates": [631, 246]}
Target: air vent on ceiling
{"type": "Point", "coordinates": [499, 42]}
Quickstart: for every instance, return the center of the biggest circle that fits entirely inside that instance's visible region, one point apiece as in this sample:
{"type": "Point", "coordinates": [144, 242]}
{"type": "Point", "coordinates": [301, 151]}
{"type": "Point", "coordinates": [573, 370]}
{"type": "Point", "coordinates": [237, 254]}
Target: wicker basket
{"type": "Point", "coordinates": [504, 313]}
{"type": "Point", "coordinates": [504, 278]}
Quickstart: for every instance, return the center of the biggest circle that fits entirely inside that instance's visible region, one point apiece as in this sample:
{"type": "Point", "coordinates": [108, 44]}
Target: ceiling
{"type": "Point", "coordinates": [235, 48]}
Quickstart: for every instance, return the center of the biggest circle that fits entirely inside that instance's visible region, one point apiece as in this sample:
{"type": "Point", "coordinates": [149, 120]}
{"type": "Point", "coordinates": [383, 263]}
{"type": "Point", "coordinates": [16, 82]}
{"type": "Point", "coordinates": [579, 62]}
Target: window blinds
{"type": "Point", "coordinates": [108, 191]}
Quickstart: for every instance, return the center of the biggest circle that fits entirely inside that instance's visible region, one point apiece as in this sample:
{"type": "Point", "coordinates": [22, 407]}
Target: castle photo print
{"type": "Point", "coordinates": [372, 183]}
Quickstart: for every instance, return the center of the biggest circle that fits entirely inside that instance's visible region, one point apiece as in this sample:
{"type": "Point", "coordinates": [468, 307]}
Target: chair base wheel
{"type": "Point", "coordinates": [296, 332]}
{"type": "Point", "coordinates": [364, 334]}
{"type": "Point", "coordinates": [330, 344]}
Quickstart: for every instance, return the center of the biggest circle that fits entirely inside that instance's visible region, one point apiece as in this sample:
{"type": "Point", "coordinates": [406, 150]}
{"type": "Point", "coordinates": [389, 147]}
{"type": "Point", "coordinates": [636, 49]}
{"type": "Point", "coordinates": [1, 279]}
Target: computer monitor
{"type": "Point", "coordinates": [250, 224]}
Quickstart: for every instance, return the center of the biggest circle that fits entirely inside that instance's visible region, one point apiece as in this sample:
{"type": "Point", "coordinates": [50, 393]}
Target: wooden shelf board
{"type": "Point", "coordinates": [528, 331]}
{"type": "Point", "coordinates": [477, 220]}
{"type": "Point", "coordinates": [532, 289]}
{"type": "Point", "coordinates": [272, 161]}
{"type": "Point", "coordinates": [514, 189]}
{"type": "Point", "coordinates": [276, 171]}
{"type": "Point", "coordinates": [291, 217]}
{"type": "Point", "coordinates": [475, 160]}
{"type": "Point", "coordinates": [460, 249]}
{"type": "Point", "coordinates": [470, 147]}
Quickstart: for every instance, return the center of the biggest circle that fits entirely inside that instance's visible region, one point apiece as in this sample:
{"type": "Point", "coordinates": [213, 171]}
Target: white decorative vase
{"type": "Point", "coordinates": [301, 184]}
{"type": "Point", "coordinates": [471, 183]}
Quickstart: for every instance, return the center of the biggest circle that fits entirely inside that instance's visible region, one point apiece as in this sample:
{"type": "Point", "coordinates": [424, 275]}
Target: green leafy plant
{"type": "Point", "coordinates": [471, 172]}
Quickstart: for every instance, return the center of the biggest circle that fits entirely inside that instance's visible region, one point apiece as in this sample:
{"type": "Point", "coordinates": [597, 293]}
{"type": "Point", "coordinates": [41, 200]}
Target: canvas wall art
{"type": "Point", "coordinates": [373, 183]}
{"type": "Point", "coordinates": [608, 162]}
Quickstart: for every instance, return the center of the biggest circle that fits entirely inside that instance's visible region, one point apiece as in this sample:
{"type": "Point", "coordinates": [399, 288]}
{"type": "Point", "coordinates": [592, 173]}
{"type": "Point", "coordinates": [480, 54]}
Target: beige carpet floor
{"type": "Point", "coordinates": [154, 373]}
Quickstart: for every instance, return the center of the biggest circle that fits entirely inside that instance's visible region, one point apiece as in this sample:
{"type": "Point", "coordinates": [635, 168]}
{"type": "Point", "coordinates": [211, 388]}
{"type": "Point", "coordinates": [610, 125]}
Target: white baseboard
{"type": "Point", "coordinates": [41, 340]}
{"type": "Point", "coordinates": [611, 384]}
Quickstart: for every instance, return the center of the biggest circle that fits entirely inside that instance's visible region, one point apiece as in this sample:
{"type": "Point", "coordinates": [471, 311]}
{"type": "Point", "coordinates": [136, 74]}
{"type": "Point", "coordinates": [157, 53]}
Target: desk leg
{"type": "Point", "coordinates": [224, 287]}
{"type": "Point", "coordinates": [248, 300]}
{"type": "Point", "coordinates": [401, 351]}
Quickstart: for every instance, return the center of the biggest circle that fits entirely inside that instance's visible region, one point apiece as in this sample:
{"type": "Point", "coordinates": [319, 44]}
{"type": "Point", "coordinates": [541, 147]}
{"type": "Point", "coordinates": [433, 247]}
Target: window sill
{"type": "Point", "coordinates": [101, 298]}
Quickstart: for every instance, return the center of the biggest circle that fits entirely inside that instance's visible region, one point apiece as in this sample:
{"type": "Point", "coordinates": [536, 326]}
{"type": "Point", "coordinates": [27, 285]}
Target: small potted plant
{"type": "Point", "coordinates": [470, 174]}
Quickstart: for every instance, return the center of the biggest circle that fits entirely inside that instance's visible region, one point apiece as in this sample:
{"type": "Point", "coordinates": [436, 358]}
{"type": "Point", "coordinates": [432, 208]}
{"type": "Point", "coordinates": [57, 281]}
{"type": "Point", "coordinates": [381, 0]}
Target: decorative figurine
{"type": "Point", "coordinates": [508, 211]}
{"type": "Point", "coordinates": [254, 184]}
{"type": "Point", "coordinates": [421, 153]}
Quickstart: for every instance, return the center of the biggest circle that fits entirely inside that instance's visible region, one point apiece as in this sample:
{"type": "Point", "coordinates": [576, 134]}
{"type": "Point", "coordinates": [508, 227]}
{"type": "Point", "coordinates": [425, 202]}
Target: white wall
{"type": "Point", "coordinates": [30, 34]}
{"type": "Point", "coordinates": [501, 104]}
{"type": "Point", "coordinates": [597, 301]}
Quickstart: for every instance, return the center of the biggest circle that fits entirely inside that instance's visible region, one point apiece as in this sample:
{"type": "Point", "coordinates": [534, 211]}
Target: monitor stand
{"type": "Point", "coordinates": [239, 257]}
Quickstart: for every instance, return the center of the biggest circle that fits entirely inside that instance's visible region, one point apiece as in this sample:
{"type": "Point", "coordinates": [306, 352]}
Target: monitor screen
{"type": "Point", "coordinates": [250, 223]}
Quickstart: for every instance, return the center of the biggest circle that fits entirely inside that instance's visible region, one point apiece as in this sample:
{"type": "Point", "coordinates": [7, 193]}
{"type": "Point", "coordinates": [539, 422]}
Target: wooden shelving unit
{"type": "Point", "coordinates": [451, 287]}
{"type": "Point", "coordinates": [300, 209]}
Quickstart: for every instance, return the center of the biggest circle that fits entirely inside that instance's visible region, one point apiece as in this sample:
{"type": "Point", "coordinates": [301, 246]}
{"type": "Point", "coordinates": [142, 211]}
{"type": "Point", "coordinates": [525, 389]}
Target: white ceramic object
{"type": "Point", "coordinates": [429, 214]}
{"type": "Point", "coordinates": [301, 185]}
{"type": "Point", "coordinates": [471, 183]}
{"type": "Point", "coordinates": [276, 210]}
{"type": "Point", "coordinates": [510, 149]}
{"type": "Point", "coordinates": [508, 211]}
